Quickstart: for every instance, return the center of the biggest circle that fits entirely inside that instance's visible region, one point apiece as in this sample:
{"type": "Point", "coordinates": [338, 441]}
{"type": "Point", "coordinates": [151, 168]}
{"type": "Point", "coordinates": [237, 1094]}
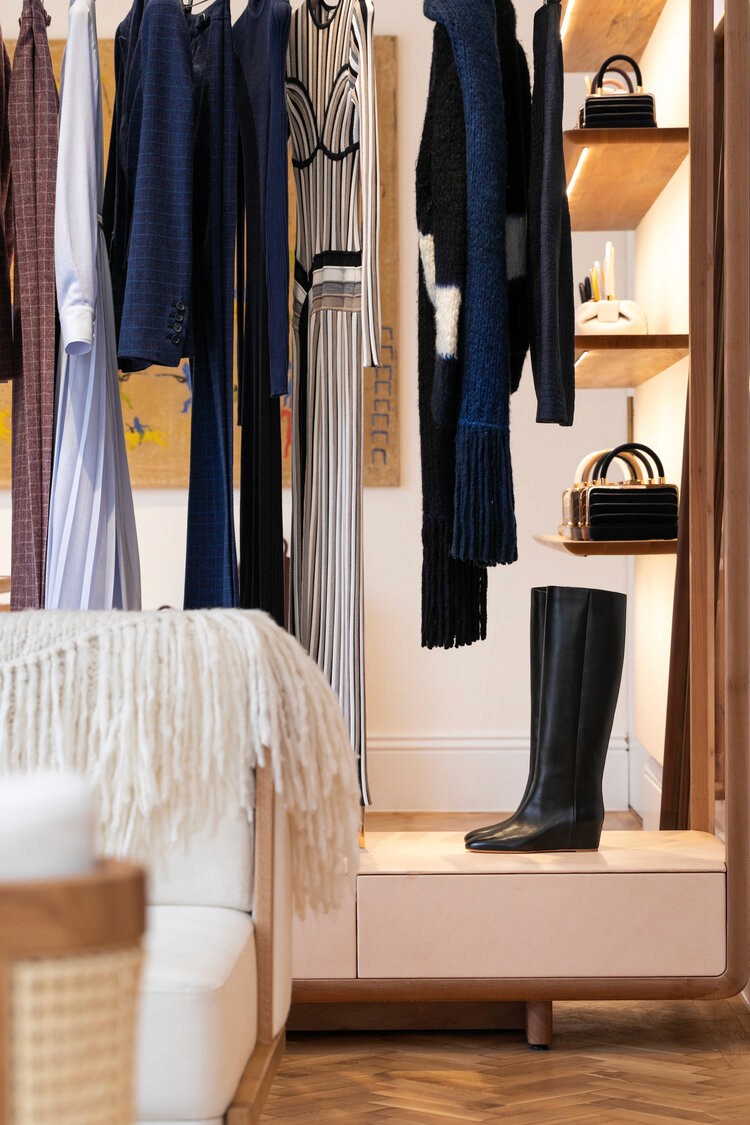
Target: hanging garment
{"type": "Point", "coordinates": [454, 593]}
{"type": "Point", "coordinates": [169, 214]}
{"type": "Point", "coordinates": [32, 115]}
{"type": "Point", "coordinates": [92, 548]}
{"type": "Point", "coordinates": [550, 249]}
{"type": "Point", "coordinates": [211, 569]}
{"type": "Point", "coordinates": [336, 313]}
{"type": "Point", "coordinates": [260, 42]}
{"type": "Point", "coordinates": [514, 70]}
{"type": "Point", "coordinates": [484, 525]}
{"type": "Point", "coordinates": [148, 195]}
{"type": "Point", "coordinates": [8, 364]}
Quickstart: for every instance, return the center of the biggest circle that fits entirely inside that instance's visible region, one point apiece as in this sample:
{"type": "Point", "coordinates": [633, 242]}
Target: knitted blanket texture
{"type": "Point", "coordinates": [484, 527]}
{"type": "Point", "coordinates": [169, 714]}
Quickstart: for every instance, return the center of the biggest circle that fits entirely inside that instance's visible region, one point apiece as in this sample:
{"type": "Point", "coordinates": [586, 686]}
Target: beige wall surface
{"type": "Point", "coordinates": [451, 729]}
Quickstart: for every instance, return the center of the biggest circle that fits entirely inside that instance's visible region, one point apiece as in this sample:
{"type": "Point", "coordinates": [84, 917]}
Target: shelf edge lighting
{"type": "Point", "coordinates": [577, 171]}
{"type": "Point", "coordinates": [566, 18]}
{"type": "Point", "coordinates": [580, 359]}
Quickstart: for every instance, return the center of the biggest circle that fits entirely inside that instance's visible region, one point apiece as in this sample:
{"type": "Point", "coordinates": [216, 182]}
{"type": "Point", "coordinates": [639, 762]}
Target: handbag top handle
{"type": "Point", "coordinates": [632, 447]}
{"type": "Point", "coordinates": [585, 475]}
{"type": "Point", "coordinates": [599, 76]}
{"type": "Point", "coordinates": [637, 455]}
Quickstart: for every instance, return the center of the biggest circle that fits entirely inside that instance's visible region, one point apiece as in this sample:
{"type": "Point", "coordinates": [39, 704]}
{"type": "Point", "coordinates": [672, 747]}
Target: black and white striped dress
{"type": "Point", "coordinates": [333, 125]}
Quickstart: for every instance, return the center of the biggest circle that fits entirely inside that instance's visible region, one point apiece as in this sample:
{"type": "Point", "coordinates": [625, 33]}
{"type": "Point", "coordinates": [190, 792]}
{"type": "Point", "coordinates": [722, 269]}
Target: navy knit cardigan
{"type": "Point", "coordinates": [484, 525]}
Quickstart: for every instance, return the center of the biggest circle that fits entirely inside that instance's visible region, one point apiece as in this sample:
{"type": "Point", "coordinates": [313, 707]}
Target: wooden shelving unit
{"type": "Point", "coordinates": [597, 28]}
{"type": "Point", "coordinates": [619, 362]}
{"type": "Point", "coordinates": [615, 175]}
{"type": "Point", "coordinates": [583, 549]}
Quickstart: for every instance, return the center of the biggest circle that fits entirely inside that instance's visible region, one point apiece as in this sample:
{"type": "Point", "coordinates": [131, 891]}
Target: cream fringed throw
{"type": "Point", "coordinates": [169, 713]}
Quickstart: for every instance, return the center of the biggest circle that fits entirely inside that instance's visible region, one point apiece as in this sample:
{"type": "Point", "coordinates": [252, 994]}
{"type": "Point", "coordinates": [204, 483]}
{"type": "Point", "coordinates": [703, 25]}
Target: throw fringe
{"type": "Point", "coordinates": [169, 714]}
{"type": "Point", "coordinates": [484, 522]}
{"type": "Point", "coordinates": [454, 594]}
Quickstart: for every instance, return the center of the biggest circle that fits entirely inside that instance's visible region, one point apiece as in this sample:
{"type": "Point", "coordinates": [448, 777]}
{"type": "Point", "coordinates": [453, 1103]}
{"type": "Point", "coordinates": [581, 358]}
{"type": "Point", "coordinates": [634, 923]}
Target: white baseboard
{"type": "Point", "coordinates": [645, 785]}
{"type": "Point", "coordinates": [481, 773]}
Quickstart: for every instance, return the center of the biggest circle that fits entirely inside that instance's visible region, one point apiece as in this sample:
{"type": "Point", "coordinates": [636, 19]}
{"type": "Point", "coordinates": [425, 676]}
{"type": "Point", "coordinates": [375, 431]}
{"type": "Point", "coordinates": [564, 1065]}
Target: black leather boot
{"type": "Point", "coordinates": [538, 607]}
{"type": "Point", "coordinates": [579, 682]}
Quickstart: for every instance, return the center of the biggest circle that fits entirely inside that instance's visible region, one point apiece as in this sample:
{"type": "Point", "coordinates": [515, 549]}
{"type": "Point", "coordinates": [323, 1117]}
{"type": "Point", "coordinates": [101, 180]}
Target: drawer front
{"type": "Point", "coordinates": [623, 925]}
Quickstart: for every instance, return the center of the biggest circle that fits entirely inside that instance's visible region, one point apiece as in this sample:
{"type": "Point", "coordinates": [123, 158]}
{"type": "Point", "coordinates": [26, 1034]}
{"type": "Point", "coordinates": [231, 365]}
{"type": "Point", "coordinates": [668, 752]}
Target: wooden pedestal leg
{"type": "Point", "coordinates": [538, 1023]}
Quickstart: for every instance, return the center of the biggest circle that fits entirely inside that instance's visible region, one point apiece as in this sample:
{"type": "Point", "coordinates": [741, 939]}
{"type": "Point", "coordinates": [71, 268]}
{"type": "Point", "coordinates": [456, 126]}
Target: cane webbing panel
{"type": "Point", "coordinates": [72, 1038]}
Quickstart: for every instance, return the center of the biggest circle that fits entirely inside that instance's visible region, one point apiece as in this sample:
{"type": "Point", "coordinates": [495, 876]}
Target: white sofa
{"type": "Point", "coordinates": [217, 978]}
{"type": "Point", "coordinates": [180, 720]}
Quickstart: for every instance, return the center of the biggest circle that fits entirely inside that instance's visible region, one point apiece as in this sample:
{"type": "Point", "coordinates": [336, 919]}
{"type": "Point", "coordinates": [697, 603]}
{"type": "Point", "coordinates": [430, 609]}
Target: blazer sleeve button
{"type": "Point", "coordinates": [176, 339]}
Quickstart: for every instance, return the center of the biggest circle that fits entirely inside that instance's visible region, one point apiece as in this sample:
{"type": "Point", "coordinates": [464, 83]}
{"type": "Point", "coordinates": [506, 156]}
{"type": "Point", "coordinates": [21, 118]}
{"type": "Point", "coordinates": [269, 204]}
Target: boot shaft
{"type": "Point", "coordinates": [579, 682]}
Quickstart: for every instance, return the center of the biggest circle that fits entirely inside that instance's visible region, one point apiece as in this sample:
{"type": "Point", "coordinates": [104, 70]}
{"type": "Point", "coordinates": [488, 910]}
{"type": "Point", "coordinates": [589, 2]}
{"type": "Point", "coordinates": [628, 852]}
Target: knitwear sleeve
{"type": "Point", "coordinates": [363, 64]}
{"type": "Point", "coordinates": [518, 134]}
{"type": "Point", "coordinates": [449, 224]}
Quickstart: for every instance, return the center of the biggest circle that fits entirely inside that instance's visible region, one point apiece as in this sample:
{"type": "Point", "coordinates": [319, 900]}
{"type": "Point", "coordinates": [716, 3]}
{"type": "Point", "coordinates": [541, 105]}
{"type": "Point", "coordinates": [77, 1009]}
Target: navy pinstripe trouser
{"type": "Point", "coordinates": [211, 567]}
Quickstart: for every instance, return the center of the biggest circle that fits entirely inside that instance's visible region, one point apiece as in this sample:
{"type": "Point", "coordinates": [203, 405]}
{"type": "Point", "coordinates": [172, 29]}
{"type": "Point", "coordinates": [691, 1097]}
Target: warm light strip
{"type": "Point", "coordinates": [577, 172]}
{"type": "Point", "coordinates": [566, 18]}
{"type": "Point", "coordinates": [580, 359]}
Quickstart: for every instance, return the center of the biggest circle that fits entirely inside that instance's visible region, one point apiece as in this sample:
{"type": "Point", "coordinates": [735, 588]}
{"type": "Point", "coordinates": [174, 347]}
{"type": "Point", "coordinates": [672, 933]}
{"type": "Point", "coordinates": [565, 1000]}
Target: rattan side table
{"type": "Point", "coordinates": [70, 958]}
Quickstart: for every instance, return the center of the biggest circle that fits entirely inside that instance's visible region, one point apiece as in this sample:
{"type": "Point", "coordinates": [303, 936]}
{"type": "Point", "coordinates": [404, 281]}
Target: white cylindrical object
{"type": "Point", "coordinates": [47, 826]}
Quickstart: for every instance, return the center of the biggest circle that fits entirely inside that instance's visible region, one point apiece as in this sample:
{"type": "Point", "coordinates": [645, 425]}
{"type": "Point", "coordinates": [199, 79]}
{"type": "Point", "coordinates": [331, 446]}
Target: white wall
{"type": "Point", "coordinates": [448, 730]}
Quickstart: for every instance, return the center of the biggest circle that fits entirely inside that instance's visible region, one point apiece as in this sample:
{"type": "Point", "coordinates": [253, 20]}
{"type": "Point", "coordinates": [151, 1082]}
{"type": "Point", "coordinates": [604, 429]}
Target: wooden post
{"type": "Point", "coordinates": [701, 418]}
{"type": "Point", "coordinates": [737, 480]}
{"type": "Point", "coordinates": [264, 898]}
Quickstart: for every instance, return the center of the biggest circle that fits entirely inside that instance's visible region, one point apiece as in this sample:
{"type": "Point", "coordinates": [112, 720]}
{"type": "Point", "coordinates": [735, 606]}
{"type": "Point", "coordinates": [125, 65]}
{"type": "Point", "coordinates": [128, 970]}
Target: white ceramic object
{"type": "Point", "coordinates": [605, 318]}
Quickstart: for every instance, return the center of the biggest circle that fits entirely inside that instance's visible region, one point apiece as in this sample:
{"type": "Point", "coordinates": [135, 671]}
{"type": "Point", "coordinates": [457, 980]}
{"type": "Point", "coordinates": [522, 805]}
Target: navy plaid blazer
{"type": "Point", "coordinates": [148, 200]}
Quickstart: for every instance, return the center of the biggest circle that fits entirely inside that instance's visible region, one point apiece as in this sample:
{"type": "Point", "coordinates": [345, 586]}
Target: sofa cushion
{"type": "Point", "coordinates": [215, 869]}
{"type": "Point", "coordinates": [198, 1013]}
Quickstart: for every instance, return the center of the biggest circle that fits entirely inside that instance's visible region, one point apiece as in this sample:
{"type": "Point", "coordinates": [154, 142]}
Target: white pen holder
{"type": "Point", "coordinates": [603, 318]}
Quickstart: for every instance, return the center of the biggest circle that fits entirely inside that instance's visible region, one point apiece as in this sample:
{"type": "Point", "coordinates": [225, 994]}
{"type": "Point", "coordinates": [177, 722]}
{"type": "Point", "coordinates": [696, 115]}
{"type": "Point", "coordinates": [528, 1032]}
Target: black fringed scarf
{"type": "Point", "coordinates": [473, 316]}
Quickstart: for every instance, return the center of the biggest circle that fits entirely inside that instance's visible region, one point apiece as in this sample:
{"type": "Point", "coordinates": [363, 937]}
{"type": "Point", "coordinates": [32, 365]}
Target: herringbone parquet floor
{"type": "Point", "coordinates": [610, 1064]}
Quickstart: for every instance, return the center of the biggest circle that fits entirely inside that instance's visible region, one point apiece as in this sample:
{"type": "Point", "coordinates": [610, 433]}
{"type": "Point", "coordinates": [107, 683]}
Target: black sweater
{"type": "Point", "coordinates": [454, 594]}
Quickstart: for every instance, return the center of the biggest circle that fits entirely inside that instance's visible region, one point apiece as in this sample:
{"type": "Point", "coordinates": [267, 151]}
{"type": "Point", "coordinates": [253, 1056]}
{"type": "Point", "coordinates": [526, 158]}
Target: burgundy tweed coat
{"type": "Point", "coordinates": [7, 362]}
{"type": "Point", "coordinates": [32, 112]}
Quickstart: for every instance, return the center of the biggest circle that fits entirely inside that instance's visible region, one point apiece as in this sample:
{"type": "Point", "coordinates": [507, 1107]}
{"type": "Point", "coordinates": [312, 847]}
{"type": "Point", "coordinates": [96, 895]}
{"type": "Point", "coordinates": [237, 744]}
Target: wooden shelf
{"type": "Point", "coordinates": [583, 549]}
{"type": "Point", "coordinates": [622, 173]}
{"type": "Point", "coordinates": [4, 584]}
{"type": "Point", "coordinates": [597, 28]}
{"type": "Point", "coordinates": [625, 361]}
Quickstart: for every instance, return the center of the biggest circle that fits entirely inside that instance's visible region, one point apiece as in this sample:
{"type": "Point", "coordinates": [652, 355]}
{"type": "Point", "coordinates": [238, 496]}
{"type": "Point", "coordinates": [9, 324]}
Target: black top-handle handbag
{"type": "Point", "coordinates": [631, 110]}
{"type": "Point", "coordinates": [630, 510]}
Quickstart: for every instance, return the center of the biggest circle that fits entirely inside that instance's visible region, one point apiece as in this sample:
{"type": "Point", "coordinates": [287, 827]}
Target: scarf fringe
{"type": "Point", "coordinates": [484, 524]}
{"type": "Point", "coordinates": [169, 714]}
{"type": "Point", "coordinates": [454, 594]}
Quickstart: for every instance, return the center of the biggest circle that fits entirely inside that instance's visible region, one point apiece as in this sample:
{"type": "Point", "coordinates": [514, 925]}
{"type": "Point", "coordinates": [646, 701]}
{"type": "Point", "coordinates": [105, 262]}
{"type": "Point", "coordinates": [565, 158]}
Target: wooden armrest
{"type": "Point", "coordinates": [263, 914]}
